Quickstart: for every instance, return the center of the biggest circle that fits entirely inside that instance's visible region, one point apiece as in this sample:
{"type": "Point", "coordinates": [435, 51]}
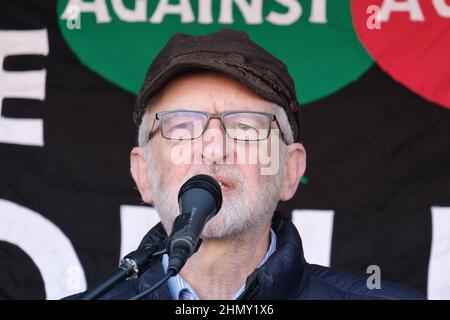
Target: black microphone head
{"type": "Point", "coordinates": [199, 198]}
{"type": "Point", "coordinates": [204, 182]}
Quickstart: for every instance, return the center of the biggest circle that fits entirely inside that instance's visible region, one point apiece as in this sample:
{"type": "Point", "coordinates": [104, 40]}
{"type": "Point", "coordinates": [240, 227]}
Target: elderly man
{"type": "Point", "coordinates": [208, 105]}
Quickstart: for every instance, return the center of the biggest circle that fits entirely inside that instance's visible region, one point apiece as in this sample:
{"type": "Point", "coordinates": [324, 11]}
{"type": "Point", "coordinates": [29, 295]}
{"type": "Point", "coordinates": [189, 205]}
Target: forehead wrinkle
{"type": "Point", "coordinates": [224, 93]}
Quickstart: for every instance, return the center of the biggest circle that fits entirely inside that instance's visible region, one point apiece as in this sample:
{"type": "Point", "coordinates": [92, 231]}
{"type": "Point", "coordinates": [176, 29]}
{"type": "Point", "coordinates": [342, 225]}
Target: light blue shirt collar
{"type": "Point", "coordinates": [181, 290]}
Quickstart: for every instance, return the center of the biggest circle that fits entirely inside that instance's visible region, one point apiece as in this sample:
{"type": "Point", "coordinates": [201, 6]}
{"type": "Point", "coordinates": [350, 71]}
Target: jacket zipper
{"type": "Point", "coordinates": [251, 292]}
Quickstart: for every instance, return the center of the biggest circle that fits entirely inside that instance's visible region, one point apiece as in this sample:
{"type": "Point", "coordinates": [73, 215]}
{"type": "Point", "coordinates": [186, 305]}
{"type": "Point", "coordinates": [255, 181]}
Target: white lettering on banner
{"type": "Point", "coordinates": [22, 84]}
{"type": "Point", "coordinates": [98, 7]}
{"type": "Point", "coordinates": [47, 246]}
{"type": "Point", "coordinates": [318, 11]}
{"type": "Point", "coordinates": [251, 11]}
{"type": "Point", "coordinates": [205, 12]}
{"type": "Point", "coordinates": [135, 222]}
{"type": "Point", "coordinates": [293, 13]}
{"type": "Point", "coordinates": [442, 8]}
{"type": "Point", "coordinates": [183, 9]}
{"type": "Point", "coordinates": [316, 230]}
{"type": "Point", "coordinates": [439, 266]}
{"type": "Point", "coordinates": [411, 6]}
{"type": "Point", "coordinates": [125, 14]}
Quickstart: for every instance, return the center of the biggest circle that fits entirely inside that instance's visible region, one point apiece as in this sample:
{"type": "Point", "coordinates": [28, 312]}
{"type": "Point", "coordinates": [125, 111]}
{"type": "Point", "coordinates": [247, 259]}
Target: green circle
{"type": "Point", "coordinates": [321, 57]}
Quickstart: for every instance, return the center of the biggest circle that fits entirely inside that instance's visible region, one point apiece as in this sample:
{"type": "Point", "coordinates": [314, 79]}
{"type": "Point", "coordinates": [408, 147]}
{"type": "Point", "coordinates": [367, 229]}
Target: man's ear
{"type": "Point", "coordinates": [294, 168]}
{"type": "Point", "coordinates": [139, 171]}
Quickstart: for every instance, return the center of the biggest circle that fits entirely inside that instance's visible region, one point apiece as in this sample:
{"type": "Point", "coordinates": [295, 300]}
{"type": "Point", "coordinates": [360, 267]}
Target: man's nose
{"type": "Point", "coordinates": [214, 141]}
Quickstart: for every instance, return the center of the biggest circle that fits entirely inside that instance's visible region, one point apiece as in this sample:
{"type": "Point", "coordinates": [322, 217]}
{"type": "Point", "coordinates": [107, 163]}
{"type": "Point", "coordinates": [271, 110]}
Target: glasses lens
{"type": "Point", "coordinates": [247, 126]}
{"type": "Point", "coordinates": [183, 125]}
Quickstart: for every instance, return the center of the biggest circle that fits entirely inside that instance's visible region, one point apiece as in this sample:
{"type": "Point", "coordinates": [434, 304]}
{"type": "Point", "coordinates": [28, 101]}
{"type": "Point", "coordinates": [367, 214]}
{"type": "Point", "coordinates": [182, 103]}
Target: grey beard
{"type": "Point", "coordinates": [243, 213]}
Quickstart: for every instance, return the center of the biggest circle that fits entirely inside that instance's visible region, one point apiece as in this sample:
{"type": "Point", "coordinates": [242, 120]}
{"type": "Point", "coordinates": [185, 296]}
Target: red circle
{"type": "Point", "coordinates": [414, 53]}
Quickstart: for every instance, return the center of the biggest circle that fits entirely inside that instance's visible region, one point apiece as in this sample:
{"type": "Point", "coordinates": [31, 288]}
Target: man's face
{"type": "Point", "coordinates": [249, 197]}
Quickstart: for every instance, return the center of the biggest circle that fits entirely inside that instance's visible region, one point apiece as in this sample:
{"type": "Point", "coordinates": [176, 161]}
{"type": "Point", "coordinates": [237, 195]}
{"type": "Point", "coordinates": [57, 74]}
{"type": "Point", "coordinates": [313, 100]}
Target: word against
{"type": "Point", "coordinates": [251, 11]}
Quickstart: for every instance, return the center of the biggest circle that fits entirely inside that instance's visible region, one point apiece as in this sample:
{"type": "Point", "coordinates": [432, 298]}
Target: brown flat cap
{"type": "Point", "coordinates": [229, 52]}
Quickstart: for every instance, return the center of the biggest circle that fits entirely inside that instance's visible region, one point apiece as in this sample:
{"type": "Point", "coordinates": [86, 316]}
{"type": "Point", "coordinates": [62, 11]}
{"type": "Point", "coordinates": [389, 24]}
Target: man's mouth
{"type": "Point", "coordinates": [226, 184]}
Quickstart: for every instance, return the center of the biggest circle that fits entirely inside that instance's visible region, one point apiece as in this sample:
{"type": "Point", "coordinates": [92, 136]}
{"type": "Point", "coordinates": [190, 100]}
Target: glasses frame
{"type": "Point", "coordinates": [220, 116]}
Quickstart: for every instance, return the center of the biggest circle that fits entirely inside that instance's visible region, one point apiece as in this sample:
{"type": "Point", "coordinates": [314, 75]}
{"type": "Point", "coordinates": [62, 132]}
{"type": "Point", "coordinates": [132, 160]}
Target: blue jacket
{"type": "Point", "coordinates": [286, 275]}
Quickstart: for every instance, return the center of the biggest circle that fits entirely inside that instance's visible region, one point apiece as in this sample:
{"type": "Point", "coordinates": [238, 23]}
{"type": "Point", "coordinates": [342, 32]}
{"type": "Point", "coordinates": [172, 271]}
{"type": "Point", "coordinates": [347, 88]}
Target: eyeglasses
{"type": "Point", "coordinates": [239, 125]}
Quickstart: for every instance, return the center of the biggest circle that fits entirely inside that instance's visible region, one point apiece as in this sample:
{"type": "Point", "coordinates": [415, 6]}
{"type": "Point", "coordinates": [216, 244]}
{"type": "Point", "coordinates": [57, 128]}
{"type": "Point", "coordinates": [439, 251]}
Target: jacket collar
{"type": "Point", "coordinates": [281, 276]}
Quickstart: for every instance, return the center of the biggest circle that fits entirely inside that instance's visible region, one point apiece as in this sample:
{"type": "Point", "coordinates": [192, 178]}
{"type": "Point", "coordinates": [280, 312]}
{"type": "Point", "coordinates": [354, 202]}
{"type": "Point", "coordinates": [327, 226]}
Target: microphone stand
{"type": "Point", "coordinates": [131, 266]}
{"type": "Point", "coordinates": [170, 273]}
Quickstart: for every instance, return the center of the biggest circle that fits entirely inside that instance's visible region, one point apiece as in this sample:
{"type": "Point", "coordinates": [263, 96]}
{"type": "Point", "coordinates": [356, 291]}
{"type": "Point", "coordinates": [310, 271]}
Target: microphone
{"type": "Point", "coordinates": [199, 199]}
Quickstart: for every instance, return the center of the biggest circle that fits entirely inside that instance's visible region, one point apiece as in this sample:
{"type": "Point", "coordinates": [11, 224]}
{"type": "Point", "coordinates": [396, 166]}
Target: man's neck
{"type": "Point", "coordinates": [220, 267]}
